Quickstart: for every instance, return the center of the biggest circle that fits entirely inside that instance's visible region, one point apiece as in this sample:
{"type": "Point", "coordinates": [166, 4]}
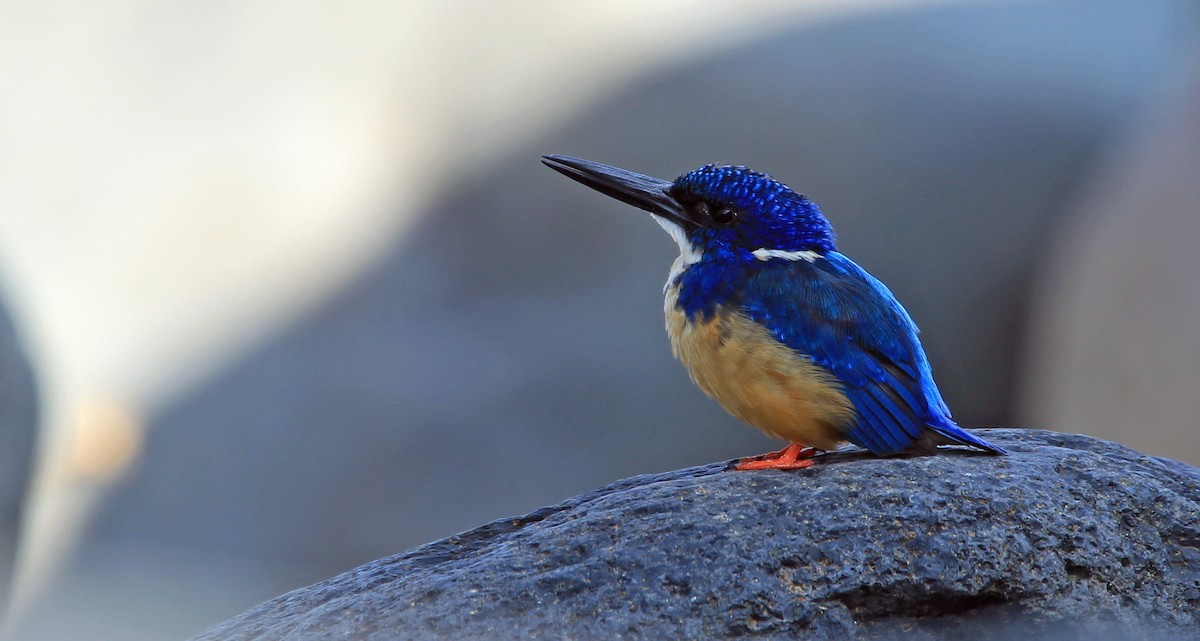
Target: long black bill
{"type": "Point", "coordinates": [641, 191]}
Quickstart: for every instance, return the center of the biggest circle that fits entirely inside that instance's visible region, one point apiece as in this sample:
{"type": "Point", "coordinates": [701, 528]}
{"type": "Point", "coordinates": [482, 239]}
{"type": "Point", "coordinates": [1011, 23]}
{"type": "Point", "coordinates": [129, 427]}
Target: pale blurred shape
{"type": "Point", "coordinates": [107, 440]}
{"type": "Point", "coordinates": [1114, 347]}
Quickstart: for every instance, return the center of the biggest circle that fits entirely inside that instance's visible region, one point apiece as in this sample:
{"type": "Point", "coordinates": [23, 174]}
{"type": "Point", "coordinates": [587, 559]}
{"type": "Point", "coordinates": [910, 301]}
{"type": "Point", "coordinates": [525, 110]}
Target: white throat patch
{"type": "Point", "coordinates": [804, 254]}
{"type": "Point", "coordinates": [689, 254]}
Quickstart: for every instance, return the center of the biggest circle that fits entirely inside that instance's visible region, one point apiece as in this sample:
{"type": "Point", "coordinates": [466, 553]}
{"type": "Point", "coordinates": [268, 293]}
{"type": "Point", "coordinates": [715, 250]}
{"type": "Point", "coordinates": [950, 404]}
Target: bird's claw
{"type": "Point", "coordinates": [792, 457]}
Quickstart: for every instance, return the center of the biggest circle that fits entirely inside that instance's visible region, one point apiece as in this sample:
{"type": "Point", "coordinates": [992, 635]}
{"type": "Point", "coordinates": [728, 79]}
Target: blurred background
{"type": "Point", "coordinates": [285, 288]}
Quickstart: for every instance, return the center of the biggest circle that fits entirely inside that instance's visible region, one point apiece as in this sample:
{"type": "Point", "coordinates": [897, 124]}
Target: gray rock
{"type": "Point", "coordinates": [1069, 538]}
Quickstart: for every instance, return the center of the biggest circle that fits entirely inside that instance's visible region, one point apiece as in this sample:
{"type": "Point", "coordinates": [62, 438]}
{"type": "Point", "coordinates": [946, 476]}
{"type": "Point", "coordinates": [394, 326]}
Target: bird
{"type": "Point", "coordinates": [785, 332]}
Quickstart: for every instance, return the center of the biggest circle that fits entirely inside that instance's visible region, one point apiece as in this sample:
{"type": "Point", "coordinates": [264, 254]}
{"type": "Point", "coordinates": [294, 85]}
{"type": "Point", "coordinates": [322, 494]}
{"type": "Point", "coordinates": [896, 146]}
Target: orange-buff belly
{"type": "Point", "coordinates": [760, 380]}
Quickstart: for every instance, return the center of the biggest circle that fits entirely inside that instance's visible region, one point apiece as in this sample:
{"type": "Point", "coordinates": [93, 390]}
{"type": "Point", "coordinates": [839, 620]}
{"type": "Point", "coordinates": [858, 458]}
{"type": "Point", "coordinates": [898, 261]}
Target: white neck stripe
{"type": "Point", "coordinates": [804, 254]}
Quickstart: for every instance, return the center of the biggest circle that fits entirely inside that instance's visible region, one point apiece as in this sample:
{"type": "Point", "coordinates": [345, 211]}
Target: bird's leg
{"type": "Point", "coordinates": [792, 457]}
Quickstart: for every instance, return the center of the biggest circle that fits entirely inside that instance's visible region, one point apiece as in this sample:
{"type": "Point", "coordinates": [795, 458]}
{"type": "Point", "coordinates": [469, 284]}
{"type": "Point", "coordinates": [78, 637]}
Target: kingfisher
{"type": "Point", "coordinates": [780, 328]}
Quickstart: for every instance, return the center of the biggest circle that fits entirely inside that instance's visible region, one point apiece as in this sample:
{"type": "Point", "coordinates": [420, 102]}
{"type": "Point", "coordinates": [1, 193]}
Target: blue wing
{"type": "Point", "coordinates": [847, 321]}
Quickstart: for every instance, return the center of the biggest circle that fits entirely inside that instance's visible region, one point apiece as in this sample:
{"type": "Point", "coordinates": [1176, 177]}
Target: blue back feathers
{"type": "Point", "coordinates": [845, 320]}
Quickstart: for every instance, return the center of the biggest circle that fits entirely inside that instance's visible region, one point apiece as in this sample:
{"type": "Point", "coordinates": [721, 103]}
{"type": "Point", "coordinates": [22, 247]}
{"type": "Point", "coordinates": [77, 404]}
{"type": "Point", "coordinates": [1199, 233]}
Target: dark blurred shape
{"type": "Point", "coordinates": [509, 351]}
{"type": "Point", "coordinates": [1069, 538]}
{"type": "Point", "coordinates": [18, 432]}
{"type": "Point", "coordinates": [1116, 333]}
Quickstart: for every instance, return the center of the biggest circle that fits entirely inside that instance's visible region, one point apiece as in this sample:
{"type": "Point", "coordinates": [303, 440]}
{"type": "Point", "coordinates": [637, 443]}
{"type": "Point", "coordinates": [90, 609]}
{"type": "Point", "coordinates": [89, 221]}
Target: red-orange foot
{"type": "Point", "coordinates": [792, 457]}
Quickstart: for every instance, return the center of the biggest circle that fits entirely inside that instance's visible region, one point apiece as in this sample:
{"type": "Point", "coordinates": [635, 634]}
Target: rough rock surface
{"type": "Point", "coordinates": [1069, 538]}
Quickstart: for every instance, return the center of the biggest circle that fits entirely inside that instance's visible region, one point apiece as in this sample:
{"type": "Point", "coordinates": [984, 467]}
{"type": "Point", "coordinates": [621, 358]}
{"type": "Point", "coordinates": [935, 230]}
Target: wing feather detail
{"type": "Point", "coordinates": [845, 320]}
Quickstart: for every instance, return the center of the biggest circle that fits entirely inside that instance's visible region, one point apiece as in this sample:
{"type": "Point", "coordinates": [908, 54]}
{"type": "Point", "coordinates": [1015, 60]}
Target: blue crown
{"type": "Point", "coordinates": [772, 216]}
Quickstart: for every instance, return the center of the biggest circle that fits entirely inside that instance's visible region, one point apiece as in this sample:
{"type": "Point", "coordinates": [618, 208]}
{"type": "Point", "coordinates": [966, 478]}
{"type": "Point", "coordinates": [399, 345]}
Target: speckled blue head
{"type": "Point", "coordinates": [717, 212]}
{"type": "Point", "coordinates": [734, 208]}
{"type": "Point", "coordinates": [729, 222]}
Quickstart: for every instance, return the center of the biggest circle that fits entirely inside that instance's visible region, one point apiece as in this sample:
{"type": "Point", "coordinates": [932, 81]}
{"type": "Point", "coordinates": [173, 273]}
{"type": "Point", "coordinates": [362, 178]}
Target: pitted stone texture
{"type": "Point", "coordinates": [1068, 538]}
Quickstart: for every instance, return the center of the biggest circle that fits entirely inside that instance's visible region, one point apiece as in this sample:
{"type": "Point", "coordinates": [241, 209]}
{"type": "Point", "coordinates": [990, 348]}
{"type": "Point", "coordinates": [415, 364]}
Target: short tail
{"type": "Point", "coordinates": [956, 435]}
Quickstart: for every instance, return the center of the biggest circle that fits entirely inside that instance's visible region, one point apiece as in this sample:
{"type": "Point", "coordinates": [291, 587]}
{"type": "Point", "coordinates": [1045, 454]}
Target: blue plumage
{"type": "Point", "coordinates": [770, 214]}
{"type": "Point", "coordinates": [753, 248]}
{"type": "Point", "coordinates": [849, 322]}
{"type": "Point", "coordinates": [834, 312]}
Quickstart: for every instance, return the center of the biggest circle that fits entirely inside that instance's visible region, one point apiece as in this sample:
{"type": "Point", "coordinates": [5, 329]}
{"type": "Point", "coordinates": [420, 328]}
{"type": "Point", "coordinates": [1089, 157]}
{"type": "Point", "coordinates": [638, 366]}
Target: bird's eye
{"type": "Point", "coordinates": [718, 215]}
{"type": "Point", "coordinates": [723, 215]}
